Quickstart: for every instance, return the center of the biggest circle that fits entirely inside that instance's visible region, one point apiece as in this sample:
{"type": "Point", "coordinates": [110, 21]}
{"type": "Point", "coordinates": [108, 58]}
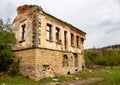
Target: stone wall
{"type": "Point", "coordinates": [39, 63]}
{"type": "Point", "coordinates": [27, 62]}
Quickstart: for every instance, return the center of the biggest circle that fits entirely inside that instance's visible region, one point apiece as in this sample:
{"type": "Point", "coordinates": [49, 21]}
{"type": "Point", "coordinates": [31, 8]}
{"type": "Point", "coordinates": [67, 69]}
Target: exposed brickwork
{"type": "Point", "coordinates": [42, 57]}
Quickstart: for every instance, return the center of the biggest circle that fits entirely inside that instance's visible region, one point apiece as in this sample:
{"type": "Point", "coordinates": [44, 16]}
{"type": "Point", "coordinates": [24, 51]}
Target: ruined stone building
{"type": "Point", "coordinates": [47, 46]}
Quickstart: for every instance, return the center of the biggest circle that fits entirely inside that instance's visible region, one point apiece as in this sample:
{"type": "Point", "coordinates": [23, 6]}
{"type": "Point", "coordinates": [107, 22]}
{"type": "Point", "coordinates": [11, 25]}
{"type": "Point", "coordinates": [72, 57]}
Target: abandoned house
{"type": "Point", "coordinates": [47, 46]}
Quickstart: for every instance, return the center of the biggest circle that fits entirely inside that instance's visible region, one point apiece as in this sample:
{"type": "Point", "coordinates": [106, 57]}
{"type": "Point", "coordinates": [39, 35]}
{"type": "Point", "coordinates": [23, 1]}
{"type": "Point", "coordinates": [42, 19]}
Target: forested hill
{"type": "Point", "coordinates": [106, 56]}
{"type": "Point", "coordinates": [112, 46]}
{"type": "Point", "coordinates": [116, 46]}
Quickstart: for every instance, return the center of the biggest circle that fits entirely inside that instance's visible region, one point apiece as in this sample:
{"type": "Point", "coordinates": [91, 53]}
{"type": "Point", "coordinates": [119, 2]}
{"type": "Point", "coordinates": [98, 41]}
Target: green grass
{"type": "Point", "coordinates": [16, 80]}
{"type": "Point", "coordinates": [20, 80]}
{"type": "Point", "coordinates": [111, 79]}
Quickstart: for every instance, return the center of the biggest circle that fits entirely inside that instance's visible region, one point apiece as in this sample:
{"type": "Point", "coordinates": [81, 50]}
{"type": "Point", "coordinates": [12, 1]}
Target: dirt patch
{"type": "Point", "coordinates": [78, 82]}
{"type": "Point", "coordinates": [84, 82]}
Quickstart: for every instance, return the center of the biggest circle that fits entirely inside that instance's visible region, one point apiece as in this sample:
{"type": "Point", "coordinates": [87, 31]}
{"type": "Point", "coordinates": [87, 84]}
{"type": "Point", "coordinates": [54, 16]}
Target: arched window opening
{"type": "Point", "coordinates": [65, 60]}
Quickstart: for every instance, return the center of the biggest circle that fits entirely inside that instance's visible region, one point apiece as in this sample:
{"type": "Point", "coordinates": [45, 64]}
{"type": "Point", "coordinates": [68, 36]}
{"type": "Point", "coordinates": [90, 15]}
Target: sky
{"type": "Point", "coordinates": [100, 19]}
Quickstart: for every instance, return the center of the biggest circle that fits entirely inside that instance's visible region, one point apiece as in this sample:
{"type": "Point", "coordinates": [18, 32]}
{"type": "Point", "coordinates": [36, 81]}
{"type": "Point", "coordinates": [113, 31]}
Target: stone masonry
{"type": "Point", "coordinates": [47, 46]}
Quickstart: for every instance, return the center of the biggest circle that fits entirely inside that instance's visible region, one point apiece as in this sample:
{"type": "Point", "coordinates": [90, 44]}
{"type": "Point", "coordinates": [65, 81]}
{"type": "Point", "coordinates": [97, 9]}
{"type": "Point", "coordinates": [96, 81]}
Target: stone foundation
{"type": "Point", "coordinates": [39, 63]}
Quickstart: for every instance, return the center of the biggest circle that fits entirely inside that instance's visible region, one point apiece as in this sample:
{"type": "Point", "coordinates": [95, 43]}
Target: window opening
{"type": "Point", "coordinates": [82, 40]}
{"type": "Point", "coordinates": [75, 59]}
{"type": "Point", "coordinates": [77, 41]}
{"type": "Point", "coordinates": [48, 32]}
{"type": "Point", "coordinates": [57, 34]}
{"type": "Point", "coordinates": [23, 32]}
{"type": "Point", "coordinates": [65, 39]}
{"type": "Point", "coordinates": [72, 39]}
{"type": "Point", "coordinates": [65, 60]}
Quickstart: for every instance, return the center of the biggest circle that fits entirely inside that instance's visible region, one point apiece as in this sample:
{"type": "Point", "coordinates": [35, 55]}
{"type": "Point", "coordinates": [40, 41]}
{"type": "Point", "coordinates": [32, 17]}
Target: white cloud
{"type": "Point", "coordinates": [98, 18]}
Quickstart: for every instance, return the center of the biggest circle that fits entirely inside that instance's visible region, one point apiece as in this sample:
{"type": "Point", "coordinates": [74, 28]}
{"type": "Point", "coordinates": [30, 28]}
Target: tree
{"type": "Point", "coordinates": [105, 57]}
{"type": "Point", "coordinates": [112, 57]}
{"type": "Point", "coordinates": [89, 58]}
{"type": "Point", "coordinates": [7, 38]}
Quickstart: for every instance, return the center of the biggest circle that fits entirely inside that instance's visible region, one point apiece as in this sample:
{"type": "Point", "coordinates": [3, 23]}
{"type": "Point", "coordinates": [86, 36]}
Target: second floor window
{"type": "Point", "coordinates": [57, 34]}
{"type": "Point", "coordinates": [48, 32]}
{"type": "Point", "coordinates": [72, 39]}
{"type": "Point", "coordinates": [23, 32]}
{"type": "Point", "coordinates": [82, 40]}
{"type": "Point", "coordinates": [77, 41]}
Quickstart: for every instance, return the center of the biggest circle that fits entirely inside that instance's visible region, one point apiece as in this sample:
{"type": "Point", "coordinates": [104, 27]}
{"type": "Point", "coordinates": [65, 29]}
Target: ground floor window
{"type": "Point", "coordinates": [75, 59]}
{"type": "Point", "coordinates": [65, 60]}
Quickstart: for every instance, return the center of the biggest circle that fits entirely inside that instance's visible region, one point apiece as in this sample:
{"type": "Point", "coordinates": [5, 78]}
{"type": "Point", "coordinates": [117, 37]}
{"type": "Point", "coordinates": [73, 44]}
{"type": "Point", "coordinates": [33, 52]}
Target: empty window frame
{"type": "Point", "coordinates": [72, 39]}
{"type": "Point", "coordinates": [48, 32]}
{"type": "Point", "coordinates": [57, 31]}
{"type": "Point", "coordinates": [75, 59]}
{"type": "Point", "coordinates": [82, 40]}
{"type": "Point", "coordinates": [65, 39]}
{"type": "Point", "coordinates": [77, 41]}
{"type": "Point", "coordinates": [23, 32]}
{"type": "Point", "coordinates": [65, 60]}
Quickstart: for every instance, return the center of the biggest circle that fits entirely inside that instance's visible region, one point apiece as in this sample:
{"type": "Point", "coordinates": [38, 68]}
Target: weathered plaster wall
{"type": "Point", "coordinates": [61, 45]}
